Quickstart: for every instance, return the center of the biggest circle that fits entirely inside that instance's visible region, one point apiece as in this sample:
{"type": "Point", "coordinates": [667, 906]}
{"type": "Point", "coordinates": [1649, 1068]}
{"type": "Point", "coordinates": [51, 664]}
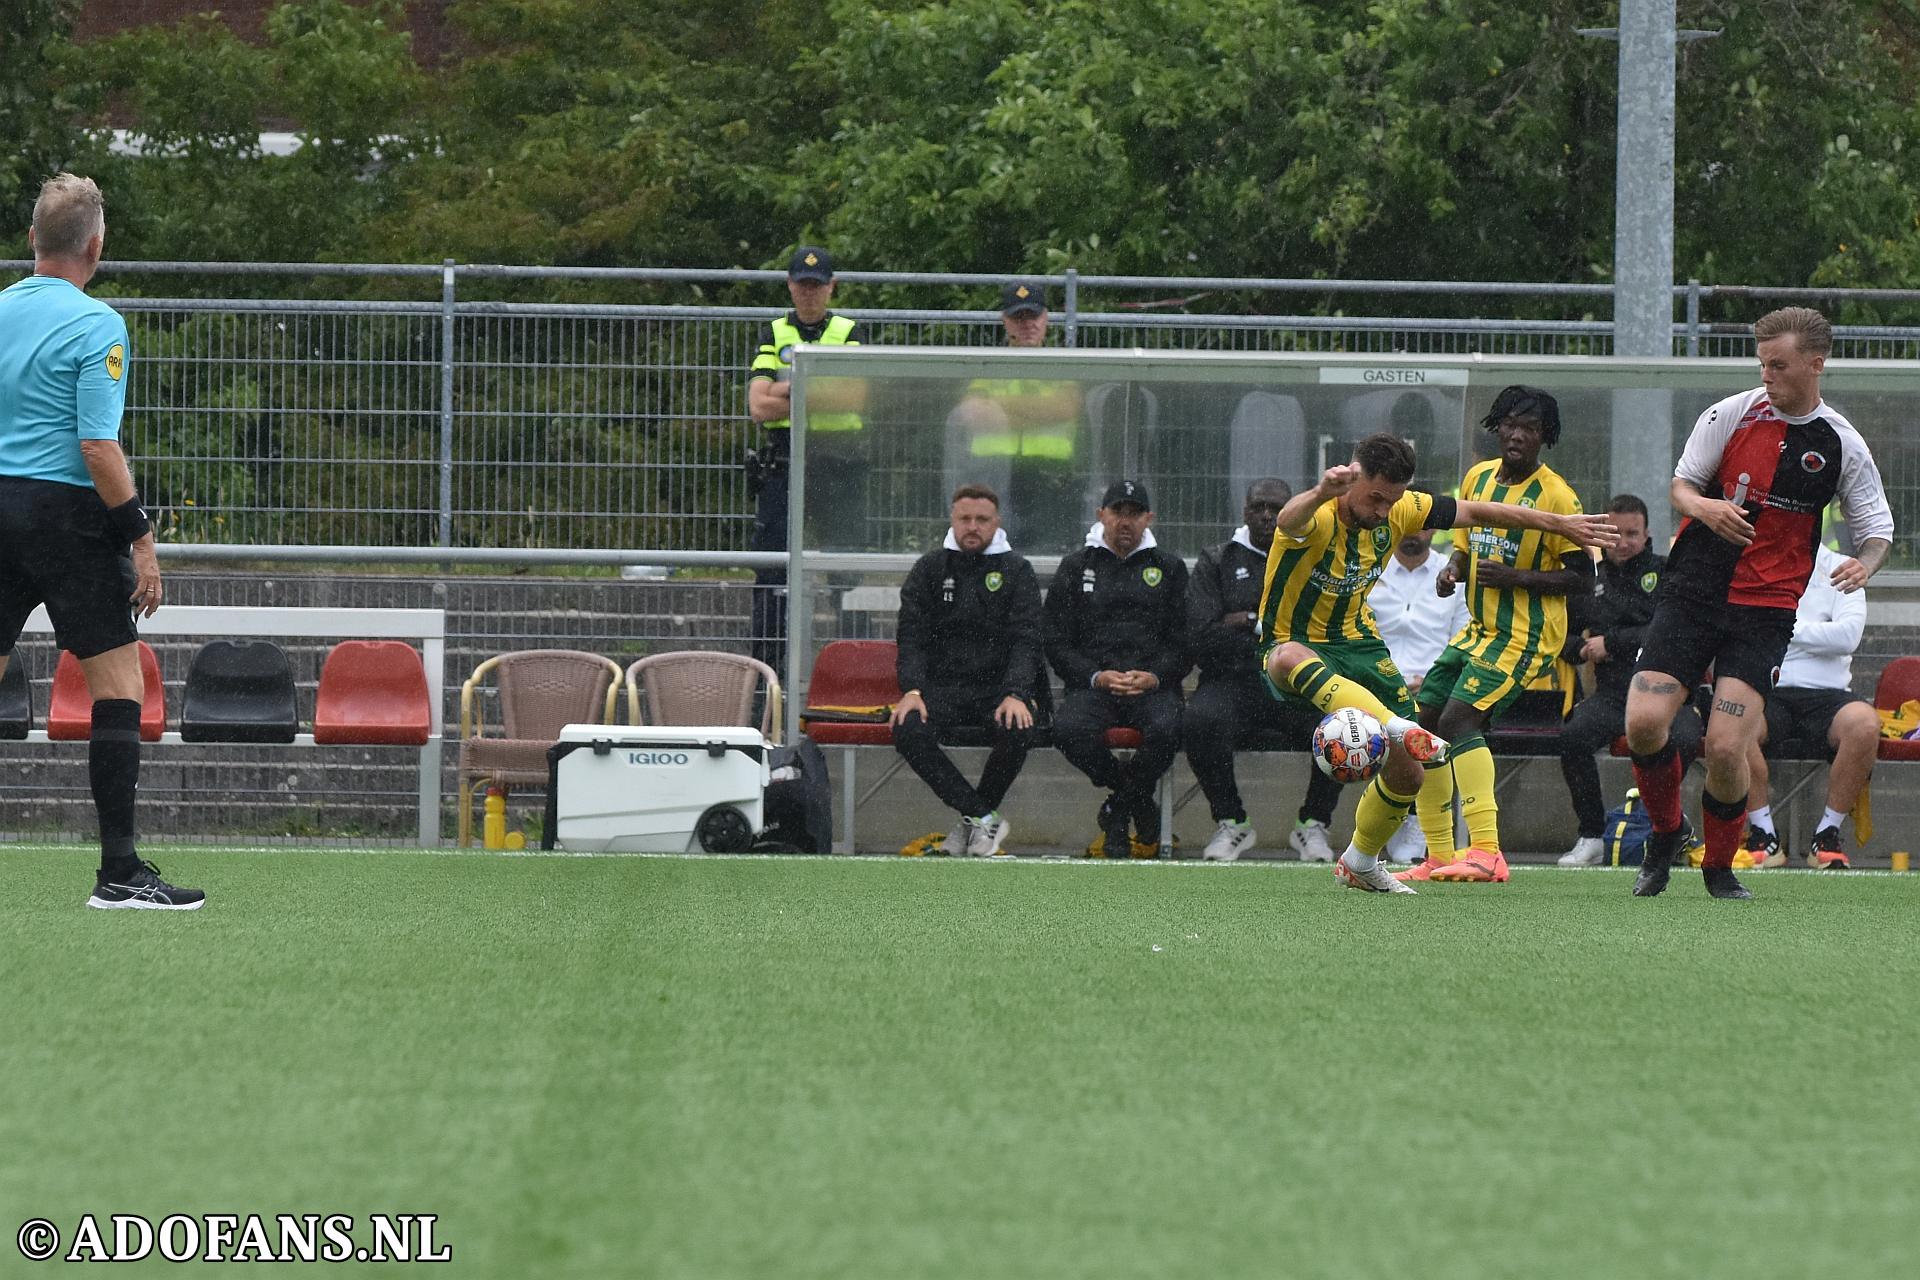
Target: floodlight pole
{"type": "Point", "coordinates": [1642, 443]}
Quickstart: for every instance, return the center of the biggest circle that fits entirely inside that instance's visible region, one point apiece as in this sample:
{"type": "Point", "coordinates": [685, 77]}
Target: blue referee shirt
{"type": "Point", "coordinates": [63, 378]}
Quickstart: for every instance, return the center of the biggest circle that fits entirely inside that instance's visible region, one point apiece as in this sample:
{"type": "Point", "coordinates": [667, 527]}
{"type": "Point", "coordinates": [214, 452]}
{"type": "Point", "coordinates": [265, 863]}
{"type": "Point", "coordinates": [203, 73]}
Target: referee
{"type": "Point", "coordinates": [72, 534]}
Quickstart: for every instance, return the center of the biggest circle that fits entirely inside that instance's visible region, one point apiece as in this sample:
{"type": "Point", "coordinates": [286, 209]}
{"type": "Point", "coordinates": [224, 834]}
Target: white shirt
{"type": "Point", "coordinates": [1826, 630]}
{"type": "Point", "coordinates": [1415, 623]}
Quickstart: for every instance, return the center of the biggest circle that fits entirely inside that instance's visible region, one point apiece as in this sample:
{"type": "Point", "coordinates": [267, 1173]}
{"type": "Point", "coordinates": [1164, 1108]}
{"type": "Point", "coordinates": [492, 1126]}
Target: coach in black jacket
{"type": "Point", "coordinates": [1606, 628]}
{"type": "Point", "coordinates": [1232, 707]}
{"type": "Point", "coordinates": [969, 636]}
{"type": "Point", "coordinates": [1116, 635]}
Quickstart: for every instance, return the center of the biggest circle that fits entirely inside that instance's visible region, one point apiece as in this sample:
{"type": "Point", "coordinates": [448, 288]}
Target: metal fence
{"type": "Point", "coordinates": [447, 421]}
{"type": "Point", "coordinates": [460, 423]}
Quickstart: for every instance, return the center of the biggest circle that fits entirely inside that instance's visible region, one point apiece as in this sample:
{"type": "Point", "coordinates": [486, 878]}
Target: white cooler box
{"type": "Point", "coordinates": [656, 789]}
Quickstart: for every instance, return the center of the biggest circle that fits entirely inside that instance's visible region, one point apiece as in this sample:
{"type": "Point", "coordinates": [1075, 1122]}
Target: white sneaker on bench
{"type": "Point", "coordinates": [1230, 840]}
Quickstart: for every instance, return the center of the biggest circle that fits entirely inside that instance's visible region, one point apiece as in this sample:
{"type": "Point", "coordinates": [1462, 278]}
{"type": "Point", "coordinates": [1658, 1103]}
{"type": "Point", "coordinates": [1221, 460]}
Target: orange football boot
{"type": "Point", "coordinates": [1422, 870]}
{"type": "Point", "coordinates": [1475, 866]}
{"type": "Point", "coordinates": [1424, 746]}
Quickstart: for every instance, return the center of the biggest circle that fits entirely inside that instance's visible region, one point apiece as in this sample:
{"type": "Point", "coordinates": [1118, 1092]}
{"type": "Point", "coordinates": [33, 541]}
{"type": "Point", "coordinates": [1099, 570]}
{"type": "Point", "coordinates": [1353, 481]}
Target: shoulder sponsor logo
{"type": "Point", "coordinates": [1151, 575]}
{"type": "Point", "coordinates": [994, 580]}
{"type": "Point", "coordinates": [1813, 462]}
{"type": "Point", "coordinates": [1649, 580]}
{"type": "Point", "coordinates": [116, 361]}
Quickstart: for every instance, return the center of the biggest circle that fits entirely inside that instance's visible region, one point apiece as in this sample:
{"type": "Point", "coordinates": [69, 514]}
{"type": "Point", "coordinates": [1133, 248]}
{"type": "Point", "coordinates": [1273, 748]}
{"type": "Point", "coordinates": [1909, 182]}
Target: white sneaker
{"type": "Point", "coordinates": [1230, 840]}
{"type": "Point", "coordinates": [1309, 840]}
{"type": "Point", "coordinates": [986, 835]}
{"type": "Point", "coordinates": [1409, 843]}
{"type": "Point", "coordinates": [1375, 879]}
{"type": "Point", "coordinates": [955, 845]}
{"type": "Point", "coordinates": [1587, 851]}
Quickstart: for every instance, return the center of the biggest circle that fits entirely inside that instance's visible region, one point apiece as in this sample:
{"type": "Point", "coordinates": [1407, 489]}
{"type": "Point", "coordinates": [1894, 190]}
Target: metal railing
{"type": "Point", "coordinates": [451, 422]}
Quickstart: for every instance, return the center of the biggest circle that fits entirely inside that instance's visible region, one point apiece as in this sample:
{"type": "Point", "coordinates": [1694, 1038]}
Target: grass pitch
{"type": "Point", "coordinates": [848, 1067]}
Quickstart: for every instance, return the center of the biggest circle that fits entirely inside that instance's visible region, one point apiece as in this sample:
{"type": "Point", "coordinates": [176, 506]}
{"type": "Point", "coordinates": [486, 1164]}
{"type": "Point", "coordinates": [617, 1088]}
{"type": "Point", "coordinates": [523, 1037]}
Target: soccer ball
{"type": "Point", "coordinates": [1349, 745]}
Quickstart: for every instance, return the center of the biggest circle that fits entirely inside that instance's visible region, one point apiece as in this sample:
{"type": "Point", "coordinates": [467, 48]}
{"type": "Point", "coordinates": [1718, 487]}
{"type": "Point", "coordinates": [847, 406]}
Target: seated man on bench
{"type": "Point", "coordinates": [970, 655]}
{"type": "Point", "coordinates": [1813, 712]}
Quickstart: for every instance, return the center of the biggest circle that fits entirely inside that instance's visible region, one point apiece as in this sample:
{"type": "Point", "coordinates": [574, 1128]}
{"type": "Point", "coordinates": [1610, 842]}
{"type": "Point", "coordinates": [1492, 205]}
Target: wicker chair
{"type": "Point", "coordinates": [540, 691]}
{"type": "Point", "coordinates": [702, 688]}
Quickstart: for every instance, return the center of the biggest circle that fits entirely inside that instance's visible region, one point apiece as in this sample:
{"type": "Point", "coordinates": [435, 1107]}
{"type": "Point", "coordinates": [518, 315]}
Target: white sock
{"type": "Point", "coordinates": [1358, 861]}
{"type": "Point", "coordinates": [1761, 818]}
{"type": "Point", "coordinates": [1832, 819]}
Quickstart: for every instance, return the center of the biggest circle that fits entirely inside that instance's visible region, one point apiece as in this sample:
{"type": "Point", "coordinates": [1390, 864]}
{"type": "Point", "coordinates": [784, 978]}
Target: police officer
{"type": "Point", "coordinates": [72, 533]}
{"type": "Point", "coordinates": [1023, 432]}
{"type": "Point", "coordinates": [1606, 629]}
{"type": "Point", "coordinates": [970, 658]}
{"type": "Point", "coordinates": [833, 415]}
{"type": "Point", "coordinates": [1116, 629]}
{"type": "Point", "coordinates": [1232, 708]}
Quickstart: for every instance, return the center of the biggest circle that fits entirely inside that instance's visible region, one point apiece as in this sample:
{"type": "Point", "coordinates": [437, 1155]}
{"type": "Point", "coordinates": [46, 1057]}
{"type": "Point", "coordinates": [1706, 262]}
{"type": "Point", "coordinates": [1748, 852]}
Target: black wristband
{"type": "Point", "coordinates": [130, 520]}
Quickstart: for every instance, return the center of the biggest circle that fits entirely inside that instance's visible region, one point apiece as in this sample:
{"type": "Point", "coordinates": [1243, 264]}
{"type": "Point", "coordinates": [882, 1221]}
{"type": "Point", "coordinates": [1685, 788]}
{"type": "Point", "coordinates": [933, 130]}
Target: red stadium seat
{"type": "Point", "coordinates": [373, 692]}
{"type": "Point", "coordinates": [852, 673]}
{"type": "Point", "coordinates": [1899, 683]}
{"type": "Point", "coordinates": [70, 717]}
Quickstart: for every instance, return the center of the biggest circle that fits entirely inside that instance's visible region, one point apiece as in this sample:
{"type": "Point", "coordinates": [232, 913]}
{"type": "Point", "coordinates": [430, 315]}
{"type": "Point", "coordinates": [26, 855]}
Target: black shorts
{"type": "Point", "coordinates": [1744, 641]}
{"type": "Point", "coordinates": [1798, 720]}
{"type": "Point", "coordinates": [59, 548]}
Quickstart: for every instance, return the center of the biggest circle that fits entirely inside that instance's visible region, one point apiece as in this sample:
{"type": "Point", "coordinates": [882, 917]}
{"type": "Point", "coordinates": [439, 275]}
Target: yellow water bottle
{"type": "Point", "coordinates": [493, 828]}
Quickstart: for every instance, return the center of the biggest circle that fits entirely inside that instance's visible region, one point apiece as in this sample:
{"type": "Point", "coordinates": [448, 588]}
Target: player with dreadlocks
{"type": "Point", "coordinates": [1517, 583]}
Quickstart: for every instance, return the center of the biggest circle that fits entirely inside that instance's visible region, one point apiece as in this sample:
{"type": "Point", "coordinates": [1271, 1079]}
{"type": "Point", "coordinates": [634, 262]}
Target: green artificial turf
{"type": "Point", "coordinates": [866, 1067]}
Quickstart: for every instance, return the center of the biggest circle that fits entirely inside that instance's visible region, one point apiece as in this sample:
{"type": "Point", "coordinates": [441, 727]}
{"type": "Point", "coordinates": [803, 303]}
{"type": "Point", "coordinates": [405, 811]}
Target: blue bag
{"type": "Point", "coordinates": [1627, 829]}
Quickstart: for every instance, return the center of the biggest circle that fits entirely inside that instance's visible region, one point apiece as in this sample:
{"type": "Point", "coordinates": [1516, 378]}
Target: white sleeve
{"type": "Point", "coordinates": [1837, 634]}
{"type": "Point", "coordinates": [1700, 461]}
{"type": "Point", "coordinates": [1863, 498]}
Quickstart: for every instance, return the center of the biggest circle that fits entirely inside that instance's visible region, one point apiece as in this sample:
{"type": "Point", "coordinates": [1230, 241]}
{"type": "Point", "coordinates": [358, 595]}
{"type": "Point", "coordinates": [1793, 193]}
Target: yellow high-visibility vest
{"type": "Point", "coordinates": [1053, 440]}
{"type": "Point", "coordinates": [778, 354]}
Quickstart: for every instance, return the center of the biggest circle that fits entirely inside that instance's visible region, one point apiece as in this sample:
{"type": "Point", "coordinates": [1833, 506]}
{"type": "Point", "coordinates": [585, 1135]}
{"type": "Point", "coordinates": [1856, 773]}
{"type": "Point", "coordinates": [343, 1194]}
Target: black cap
{"type": "Point", "coordinates": [1127, 491]}
{"type": "Point", "coordinates": [810, 262]}
{"type": "Point", "coordinates": [1022, 297]}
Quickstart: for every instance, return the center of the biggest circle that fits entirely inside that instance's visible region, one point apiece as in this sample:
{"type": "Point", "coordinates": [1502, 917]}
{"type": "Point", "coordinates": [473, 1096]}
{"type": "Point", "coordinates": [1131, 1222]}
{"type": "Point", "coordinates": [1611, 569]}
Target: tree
{"type": "Point", "coordinates": [202, 189]}
{"type": "Point", "coordinates": [38, 133]}
{"type": "Point", "coordinates": [579, 132]}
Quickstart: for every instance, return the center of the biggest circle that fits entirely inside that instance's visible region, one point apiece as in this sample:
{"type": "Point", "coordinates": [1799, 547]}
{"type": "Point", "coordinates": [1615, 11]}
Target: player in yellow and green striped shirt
{"type": "Point", "coordinates": [1517, 582]}
{"type": "Point", "coordinates": [1317, 633]}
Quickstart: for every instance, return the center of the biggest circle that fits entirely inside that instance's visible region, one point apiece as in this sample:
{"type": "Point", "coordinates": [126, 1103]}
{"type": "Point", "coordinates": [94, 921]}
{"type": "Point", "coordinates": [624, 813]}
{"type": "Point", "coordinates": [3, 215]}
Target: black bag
{"type": "Point", "coordinates": [798, 813]}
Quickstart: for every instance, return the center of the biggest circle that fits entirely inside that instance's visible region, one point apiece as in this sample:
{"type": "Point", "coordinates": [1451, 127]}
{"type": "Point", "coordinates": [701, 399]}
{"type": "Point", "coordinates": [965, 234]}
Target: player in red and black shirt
{"type": "Point", "coordinates": [1753, 482]}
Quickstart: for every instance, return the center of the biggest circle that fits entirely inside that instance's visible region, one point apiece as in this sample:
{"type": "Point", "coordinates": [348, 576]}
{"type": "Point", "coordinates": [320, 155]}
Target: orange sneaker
{"type": "Point", "coordinates": [1475, 866]}
{"type": "Point", "coordinates": [1425, 747]}
{"type": "Point", "coordinates": [1422, 870]}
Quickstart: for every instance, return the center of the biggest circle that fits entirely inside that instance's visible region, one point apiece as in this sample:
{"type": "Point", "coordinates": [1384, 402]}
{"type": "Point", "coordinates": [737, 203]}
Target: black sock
{"type": "Point", "coordinates": [113, 769]}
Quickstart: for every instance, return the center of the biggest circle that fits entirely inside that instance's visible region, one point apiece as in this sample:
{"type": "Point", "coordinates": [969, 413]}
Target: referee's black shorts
{"type": "Point", "coordinates": [59, 548]}
{"type": "Point", "coordinates": [1744, 641]}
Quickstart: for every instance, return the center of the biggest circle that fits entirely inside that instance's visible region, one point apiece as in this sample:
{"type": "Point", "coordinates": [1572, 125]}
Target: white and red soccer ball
{"type": "Point", "coordinates": [1349, 745]}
